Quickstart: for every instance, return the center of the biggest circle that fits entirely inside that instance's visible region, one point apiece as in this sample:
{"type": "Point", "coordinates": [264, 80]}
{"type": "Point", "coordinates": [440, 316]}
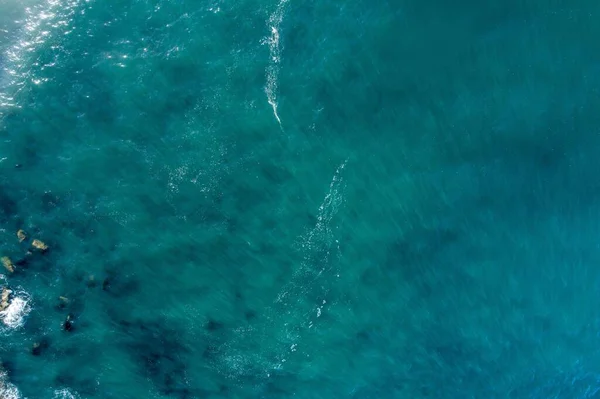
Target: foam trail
{"type": "Point", "coordinates": [275, 57]}
{"type": "Point", "coordinates": [319, 245]}
{"type": "Point", "coordinates": [296, 309]}
{"type": "Point", "coordinates": [320, 239]}
{"type": "Point", "coordinates": [311, 280]}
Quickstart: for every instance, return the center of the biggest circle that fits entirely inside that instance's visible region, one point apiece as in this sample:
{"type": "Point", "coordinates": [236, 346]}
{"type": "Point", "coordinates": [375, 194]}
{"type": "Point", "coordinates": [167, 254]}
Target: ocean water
{"type": "Point", "coordinates": [285, 199]}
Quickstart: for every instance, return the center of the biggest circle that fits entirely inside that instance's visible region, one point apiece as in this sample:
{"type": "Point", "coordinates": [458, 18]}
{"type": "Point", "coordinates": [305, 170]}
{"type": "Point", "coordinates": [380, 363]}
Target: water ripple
{"type": "Point", "coordinates": [39, 23]}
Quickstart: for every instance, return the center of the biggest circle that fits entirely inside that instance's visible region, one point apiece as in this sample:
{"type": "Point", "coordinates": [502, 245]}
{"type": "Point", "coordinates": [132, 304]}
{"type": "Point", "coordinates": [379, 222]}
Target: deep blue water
{"type": "Point", "coordinates": [285, 199]}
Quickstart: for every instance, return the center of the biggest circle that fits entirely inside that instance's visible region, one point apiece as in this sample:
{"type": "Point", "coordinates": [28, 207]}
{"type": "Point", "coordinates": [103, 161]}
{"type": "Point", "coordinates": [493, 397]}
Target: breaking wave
{"type": "Point", "coordinates": [14, 315]}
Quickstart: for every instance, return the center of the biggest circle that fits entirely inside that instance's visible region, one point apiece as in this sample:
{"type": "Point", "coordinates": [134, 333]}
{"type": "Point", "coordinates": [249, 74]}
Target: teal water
{"type": "Point", "coordinates": [317, 199]}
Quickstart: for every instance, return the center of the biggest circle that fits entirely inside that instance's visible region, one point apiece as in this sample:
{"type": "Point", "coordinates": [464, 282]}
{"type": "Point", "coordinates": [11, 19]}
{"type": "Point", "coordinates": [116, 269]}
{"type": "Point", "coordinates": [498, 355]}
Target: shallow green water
{"type": "Point", "coordinates": [301, 199]}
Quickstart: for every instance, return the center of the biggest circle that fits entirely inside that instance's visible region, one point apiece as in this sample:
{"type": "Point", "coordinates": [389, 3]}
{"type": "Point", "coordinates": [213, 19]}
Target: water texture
{"type": "Point", "coordinates": [285, 199]}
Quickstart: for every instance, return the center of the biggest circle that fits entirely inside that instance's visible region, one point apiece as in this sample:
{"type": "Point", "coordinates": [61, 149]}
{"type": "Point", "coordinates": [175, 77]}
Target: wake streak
{"type": "Point", "coordinates": [298, 306]}
{"type": "Point", "coordinates": [275, 50]}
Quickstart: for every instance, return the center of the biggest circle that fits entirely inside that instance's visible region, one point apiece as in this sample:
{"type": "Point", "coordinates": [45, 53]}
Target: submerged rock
{"type": "Point", "coordinates": [63, 302]}
{"type": "Point", "coordinates": [91, 282]}
{"type": "Point", "coordinates": [23, 261]}
{"type": "Point", "coordinates": [39, 347]}
{"type": "Point", "coordinates": [68, 324]}
{"type": "Point", "coordinates": [7, 263]}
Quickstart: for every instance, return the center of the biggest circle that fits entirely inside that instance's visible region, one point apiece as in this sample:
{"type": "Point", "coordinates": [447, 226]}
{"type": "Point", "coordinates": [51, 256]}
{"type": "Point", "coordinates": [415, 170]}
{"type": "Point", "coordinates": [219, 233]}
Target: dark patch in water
{"type": "Point", "coordinates": [238, 296]}
{"type": "Point", "coordinates": [91, 283]}
{"type": "Point", "coordinates": [99, 107]}
{"type": "Point", "coordinates": [214, 325]}
{"type": "Point", "coordinates": [232, 225]}
{"type": "Point", "coordinates": [412, 255]}
{"type": "Point", "coordinates": [49, 201]}
{"type": "Point", "coordinates": [8, 206]}
{"type": "Point", "coordinates": [224, 389]}
{"type": "Point", "coordinates": [210, 353]}
{"type": "Point", "coordinates": [275, 174]}
{"type": "Point", "coordinates": [41, 346]}
{"type": "Point", "coordinates": [72, 302]}
{"type": "Point", "coordinates": [23, 261]}
{"type": "Point", "coordinates": [250, 315]}
{"type": "Point", "coordinates": [156, 348]}
{"type": "Point", "coordinates": [275, 389]}
{"type": "Point", "coordinates": [61, 305]}
{"type": "Point", "coordinates": [367, 337]}
{"type": "Point", "coordinates": [69, 323]}
{"type": "Point", "coordinates": [36, 323]}
{"type": "Point", "coordinates": [8, 366]}
{"type": "Point", "coordinates": [119, 285]}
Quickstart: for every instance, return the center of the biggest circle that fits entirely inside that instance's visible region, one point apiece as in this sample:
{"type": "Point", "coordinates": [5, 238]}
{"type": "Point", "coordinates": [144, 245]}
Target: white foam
{"type": "Point", "coordinates": [14, 316]}
{"type": "Point", "coordinates": [7, 390]}
{"type": "Point", "coordinates": [275, 50]}
{"type": "Point", "coordinates": [65, 394]}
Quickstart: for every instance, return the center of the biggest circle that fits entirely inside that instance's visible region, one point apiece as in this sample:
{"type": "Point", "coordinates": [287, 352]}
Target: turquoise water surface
{"type": "Point", "coordinates": [300, 199]}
